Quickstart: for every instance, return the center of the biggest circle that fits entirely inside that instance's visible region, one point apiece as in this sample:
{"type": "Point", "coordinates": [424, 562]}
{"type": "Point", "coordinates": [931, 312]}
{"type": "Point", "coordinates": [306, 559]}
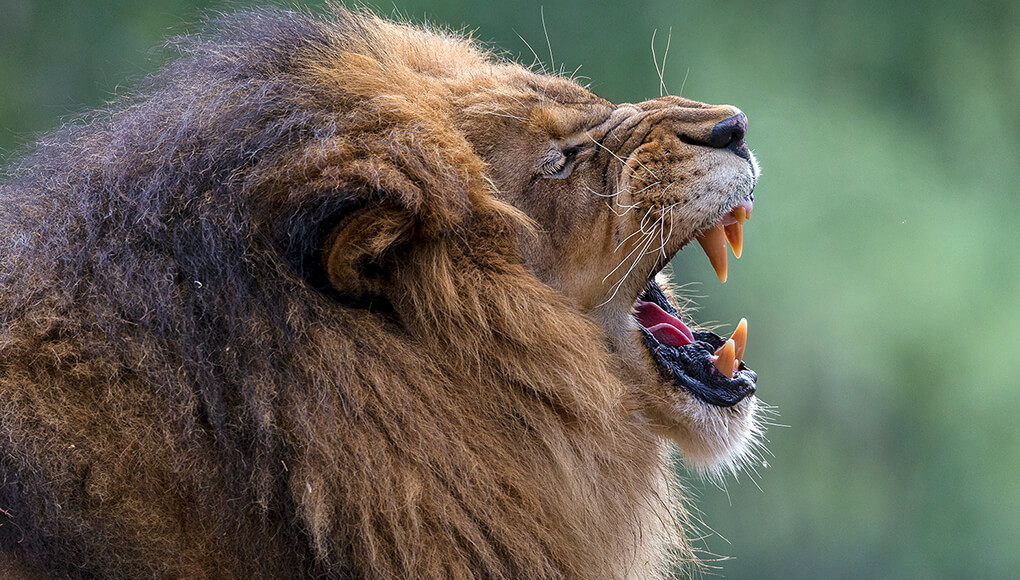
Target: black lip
{"type": "Point", "coordinates": [690, 367]}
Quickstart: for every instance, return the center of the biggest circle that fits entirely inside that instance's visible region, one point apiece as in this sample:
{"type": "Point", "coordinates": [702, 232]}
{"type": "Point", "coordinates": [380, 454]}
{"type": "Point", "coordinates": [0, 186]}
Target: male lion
{"type": "Point", "coordinates": [347, 298]}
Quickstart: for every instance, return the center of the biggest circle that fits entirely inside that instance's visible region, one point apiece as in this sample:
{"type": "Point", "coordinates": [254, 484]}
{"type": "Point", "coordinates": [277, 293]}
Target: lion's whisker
{"type": "Point", "coordinates": [625, 211]}
{"type": "Point", "coordinates": [606, 195]}
{"type": "Point", "coordinates": [622, 160]}
{"type": "Point", "coordinates": [631, 253]}
{"type": "Point", "coordinates": [624, 240]}
{"type": "Point", "coordinates": [665, 54]}
{"type": "Point", "coordinates": [684, 83]}
{"type": "Point", "coordinates": [573, 74]}
{"type": "Point", "coordinates": [669, 236]}
{"type": "Point", "coordinates": [654, 183]}
{"type": "Point", "coordinates": [644, 220]}
{"type": "Point", "coordinates": [505, 115]}
{"type": "Point", "coordinates": [662, 242]}
{"type": "Point", "coordinates": [655, 63]}
{"type": "Point", "coordinates": [618, 192]}
{"type": "Point", "coordinates": [633, 265]}
{"type": "Point", "coordinates": [623, 261]}
{"type": "Point", "coordinates": [641, 226]}
{"type": "Point", "coordinates": [552, 61]}
{"type": "Point", "coordinates": [537, 60]}
{"type": "Point", "coordinates": [661, 71]}
{"type": "Point", "coordinates": [662, 229]}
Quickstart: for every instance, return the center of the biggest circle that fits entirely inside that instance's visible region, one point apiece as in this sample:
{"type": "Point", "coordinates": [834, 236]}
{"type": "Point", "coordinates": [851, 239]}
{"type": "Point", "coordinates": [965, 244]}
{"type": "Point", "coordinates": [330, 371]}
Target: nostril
{"type": "Point", "coordinates": [729, 133]}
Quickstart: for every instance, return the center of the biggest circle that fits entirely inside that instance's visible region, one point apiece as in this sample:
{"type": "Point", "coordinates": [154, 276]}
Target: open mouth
{"type": "Point", "coordinates": [702, 363]}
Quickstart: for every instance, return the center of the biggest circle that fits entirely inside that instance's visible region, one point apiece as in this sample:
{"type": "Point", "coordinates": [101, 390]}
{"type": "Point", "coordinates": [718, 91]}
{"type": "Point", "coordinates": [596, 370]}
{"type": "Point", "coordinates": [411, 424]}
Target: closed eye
{"type": "Point", "coordinates": [557, 164]}
{"type": "Point", "coordinates": [552, 163]}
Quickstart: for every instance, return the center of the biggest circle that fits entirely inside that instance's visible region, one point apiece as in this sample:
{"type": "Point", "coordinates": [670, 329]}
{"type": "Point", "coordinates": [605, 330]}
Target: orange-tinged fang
{"type": "Point", "coordinates": [740, 338]}
{"type": "Point", "coordinates": [735, 235]}
{"type": "Point", "coordinates": [727, 355]}
{"type": "Point", "coordinates": [740, 213]}
{"type": "Point", "coordinates": [713, 242]}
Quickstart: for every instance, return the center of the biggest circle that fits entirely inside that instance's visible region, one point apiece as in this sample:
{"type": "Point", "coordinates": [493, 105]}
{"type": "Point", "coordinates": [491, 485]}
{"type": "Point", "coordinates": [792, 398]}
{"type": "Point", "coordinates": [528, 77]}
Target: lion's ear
{"type": "Point", "coordinates": [358, 252]}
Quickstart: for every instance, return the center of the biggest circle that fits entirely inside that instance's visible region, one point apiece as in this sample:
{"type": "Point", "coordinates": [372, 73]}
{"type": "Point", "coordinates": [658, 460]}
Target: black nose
{"type": "Point", "coordinates": [727, 134]}
{"type": "Point", "coordinates": [730, 133]}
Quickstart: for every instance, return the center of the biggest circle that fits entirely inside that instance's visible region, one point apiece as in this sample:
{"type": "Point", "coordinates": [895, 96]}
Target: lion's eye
{"type": "Point", "coordinates": [557, 164]}
{"type": "Point", "coordinates": [552, 162]}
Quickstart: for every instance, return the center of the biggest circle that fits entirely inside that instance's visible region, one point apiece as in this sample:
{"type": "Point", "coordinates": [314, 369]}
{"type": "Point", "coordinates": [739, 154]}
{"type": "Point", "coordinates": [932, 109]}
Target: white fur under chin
{"type": "Point", "coordinates": [721, 440]}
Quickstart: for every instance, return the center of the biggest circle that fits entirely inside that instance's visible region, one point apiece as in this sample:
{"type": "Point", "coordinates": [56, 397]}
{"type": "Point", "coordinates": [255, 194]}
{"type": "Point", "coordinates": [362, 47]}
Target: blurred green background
{"type": "Point", "coordinates": [881, 272]}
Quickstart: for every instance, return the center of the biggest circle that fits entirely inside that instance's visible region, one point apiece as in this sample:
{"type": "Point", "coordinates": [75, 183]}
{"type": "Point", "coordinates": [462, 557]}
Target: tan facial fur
{"type": "Point", "coordinates": [633, 195]}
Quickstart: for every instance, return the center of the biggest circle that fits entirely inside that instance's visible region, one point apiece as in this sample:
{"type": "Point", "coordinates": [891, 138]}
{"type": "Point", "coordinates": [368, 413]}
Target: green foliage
{"type": "Point", "coordinates": [881, 268]}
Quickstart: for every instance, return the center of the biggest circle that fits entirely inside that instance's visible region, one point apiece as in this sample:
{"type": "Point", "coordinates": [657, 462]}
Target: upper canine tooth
{"type": "Point", "coordinates": [713, 241]}
{"type": "Point", "coordinates": [740, 338]}
{"type": "Point", "coordinates": [726, 360]}
{"type": "Point", "coordinates": [735, 235]}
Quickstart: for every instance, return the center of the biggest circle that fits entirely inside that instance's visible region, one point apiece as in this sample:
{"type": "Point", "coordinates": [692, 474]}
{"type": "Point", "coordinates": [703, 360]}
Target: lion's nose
{"type": "Point", "coordinates": [730, 133]}
{"type": "Point", "coordinates": [727, 134]}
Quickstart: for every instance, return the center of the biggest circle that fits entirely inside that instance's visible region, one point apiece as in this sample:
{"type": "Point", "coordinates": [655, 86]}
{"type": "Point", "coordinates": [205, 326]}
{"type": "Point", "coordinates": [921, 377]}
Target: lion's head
{"type": "Point", "coordinates": [612, 193]}
{"type": "Point", "coordinates": [346, 297]}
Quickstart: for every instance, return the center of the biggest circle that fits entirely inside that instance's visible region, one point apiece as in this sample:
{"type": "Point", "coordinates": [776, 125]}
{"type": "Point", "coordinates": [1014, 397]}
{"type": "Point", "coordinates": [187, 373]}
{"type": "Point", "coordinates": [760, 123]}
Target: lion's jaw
{"type": "Point", "coordinates": [617, 191]}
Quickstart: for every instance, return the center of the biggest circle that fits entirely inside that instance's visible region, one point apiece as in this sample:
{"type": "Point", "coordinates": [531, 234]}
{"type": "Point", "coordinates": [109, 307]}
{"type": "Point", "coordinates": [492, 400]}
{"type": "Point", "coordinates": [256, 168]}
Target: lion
{"type": "Point", "coordinates": [335, 296]}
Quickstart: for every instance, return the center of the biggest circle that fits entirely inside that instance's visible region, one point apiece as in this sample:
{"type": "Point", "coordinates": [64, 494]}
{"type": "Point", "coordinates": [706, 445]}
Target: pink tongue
{"type": "Point", "coordinates": [665, 327]}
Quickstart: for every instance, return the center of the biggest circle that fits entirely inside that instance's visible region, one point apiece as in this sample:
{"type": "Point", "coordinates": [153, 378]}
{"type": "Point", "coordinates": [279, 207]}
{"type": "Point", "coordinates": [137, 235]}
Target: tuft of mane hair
{"type": "Point", "coordinates": [183, 393]}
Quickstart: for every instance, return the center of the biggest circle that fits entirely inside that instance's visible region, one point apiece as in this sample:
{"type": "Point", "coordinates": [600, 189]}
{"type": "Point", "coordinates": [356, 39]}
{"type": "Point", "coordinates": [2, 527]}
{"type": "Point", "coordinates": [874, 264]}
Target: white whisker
{"type": "Point", "coordinates": [655, 63]}
{"type": "Point", "coordinates": [654, 183]}
{"type": "Point", "coordinates": [535, 54]}
{"type": "Point", "coordinates": [662, 83]}
{"type": "Point", "coordinates": [624, 241]}
{"type": "Point", "coordinates": [683, 84]}
{"type": "Point", "coordinates": [624, 161]}
{"type": "Point", "coordinates": [631, 253]}
{"type": "Point", "coordinates": [669, 236]}
{"type": "Point", "coordinates": [505, 115]}
{"type": "Point", "coordinates": [661, 71]}
{"type": "Point", "coordinates": [662, 241]}
{"type": "Point", "coordinates": [624, 278]}
{"type": "Point", "coordinates": [625, 211]}
{"type": "Point", "coordinates": [552, 61]}
{"type": "Point", "coordinates": [642, 247]}
{"type": "Point", "coordinates": [606, 195]}
{"type": "Point", "coordinates": [641, 226]}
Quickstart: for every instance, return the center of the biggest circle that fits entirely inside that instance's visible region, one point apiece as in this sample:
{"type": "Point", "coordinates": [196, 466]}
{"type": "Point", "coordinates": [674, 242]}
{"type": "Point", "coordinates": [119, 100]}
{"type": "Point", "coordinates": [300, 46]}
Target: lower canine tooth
{"type": "Point", "coordinates": [713, 242]}
{"type": "Point", "coordinates": [740, 338]}
{"type": "Point", "coordinates": [726, 358]}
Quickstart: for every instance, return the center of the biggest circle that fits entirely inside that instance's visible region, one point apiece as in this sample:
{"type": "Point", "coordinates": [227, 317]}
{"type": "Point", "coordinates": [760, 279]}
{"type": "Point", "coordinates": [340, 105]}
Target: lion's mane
{"type": "Point", "coordinates": [184, 394]}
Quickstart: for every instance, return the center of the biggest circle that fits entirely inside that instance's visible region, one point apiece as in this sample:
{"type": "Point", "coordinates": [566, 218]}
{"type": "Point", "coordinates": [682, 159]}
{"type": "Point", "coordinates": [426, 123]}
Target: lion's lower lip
{"type": "Point", "coordinates": [702, 363]}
